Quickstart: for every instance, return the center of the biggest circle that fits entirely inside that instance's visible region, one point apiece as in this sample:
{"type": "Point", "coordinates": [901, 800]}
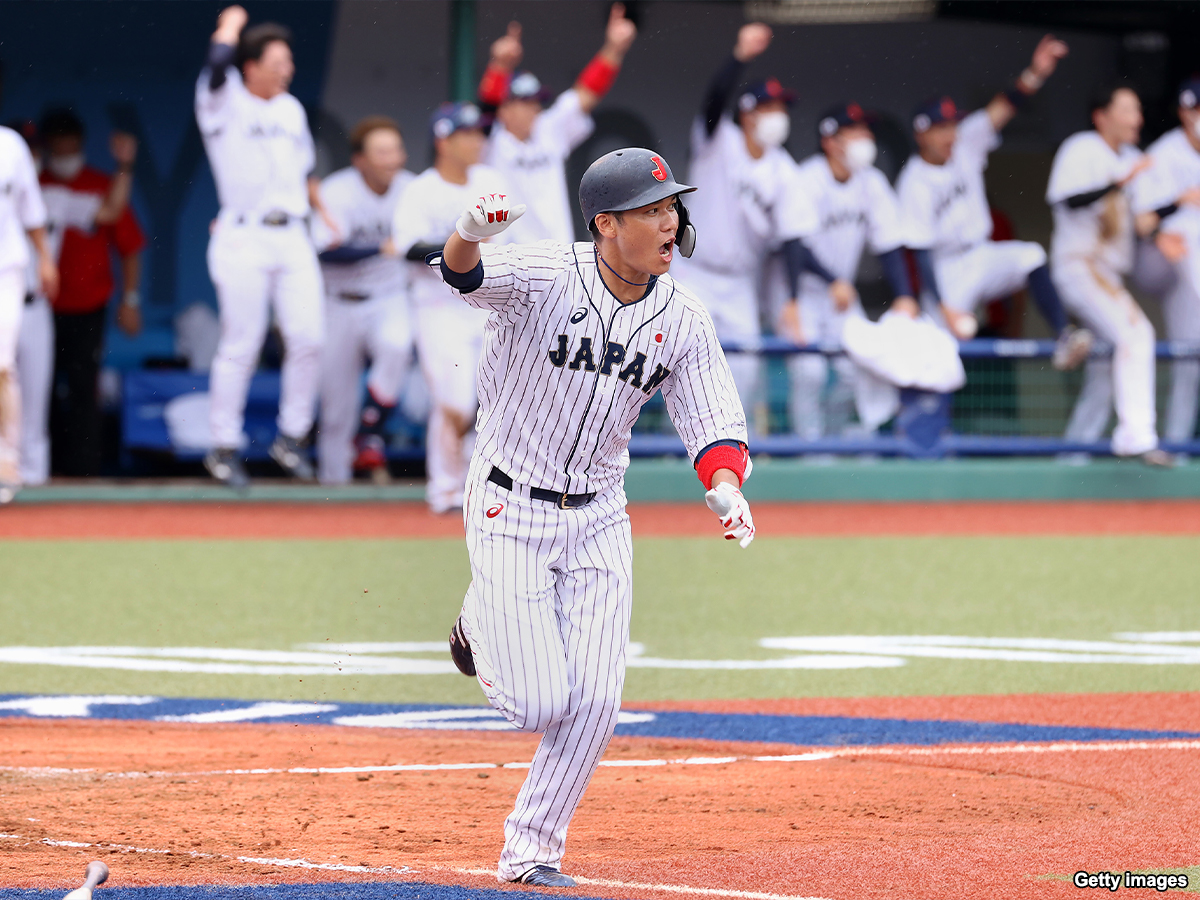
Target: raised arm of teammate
{"type": "Point", "coordinates": [223, 46]}
{"type": "Point", "coordinates": [1045, 59]}
{"type": "Point", "coordinates": [752, 40]}
{"type": "Point", "coordinates": [598, 75]}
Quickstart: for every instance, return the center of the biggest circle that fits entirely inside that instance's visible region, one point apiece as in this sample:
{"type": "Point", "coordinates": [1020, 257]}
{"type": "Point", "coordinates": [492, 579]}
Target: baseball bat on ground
{"type": "Point", "coordinates": [97, 873]}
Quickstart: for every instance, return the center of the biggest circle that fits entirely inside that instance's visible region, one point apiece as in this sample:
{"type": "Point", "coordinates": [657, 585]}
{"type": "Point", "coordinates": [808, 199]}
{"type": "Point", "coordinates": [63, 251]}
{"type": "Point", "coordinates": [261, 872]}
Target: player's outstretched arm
{"type": "Point", "coordinates": [506, 54]}
{"type": "Point", "coordinates": [752, 40]}
{"type": "Point", "coordinates": [598, 76]}
{"type": "Point", "coordinates": [1045, 60]}
{"type": "Point", "coordinates": [489, 216]}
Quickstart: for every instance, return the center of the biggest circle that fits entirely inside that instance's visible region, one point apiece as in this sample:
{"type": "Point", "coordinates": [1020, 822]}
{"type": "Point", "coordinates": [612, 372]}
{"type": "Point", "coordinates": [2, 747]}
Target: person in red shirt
{"type": "Point", "coordinates": [87, 286]}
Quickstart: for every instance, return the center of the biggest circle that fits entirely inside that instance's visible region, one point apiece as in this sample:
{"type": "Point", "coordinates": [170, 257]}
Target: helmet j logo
{"type": "Point", "coordinates": [660, 168]}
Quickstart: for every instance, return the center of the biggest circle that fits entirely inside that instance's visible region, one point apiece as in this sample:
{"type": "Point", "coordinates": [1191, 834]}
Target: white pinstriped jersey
{"type": "Point", "coordinates": [567, 367]}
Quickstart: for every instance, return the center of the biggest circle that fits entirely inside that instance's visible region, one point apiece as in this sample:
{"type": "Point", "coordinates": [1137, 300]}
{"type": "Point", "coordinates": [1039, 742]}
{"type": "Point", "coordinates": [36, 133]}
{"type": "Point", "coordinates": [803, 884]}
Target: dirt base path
{"type": "Point", "coordinates": [413, 520]}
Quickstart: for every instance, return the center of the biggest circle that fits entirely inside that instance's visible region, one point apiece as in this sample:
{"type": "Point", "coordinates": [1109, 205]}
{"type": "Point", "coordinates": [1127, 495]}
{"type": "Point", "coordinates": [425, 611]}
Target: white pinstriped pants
{"type": "Point", "coordinates": [547, 617]}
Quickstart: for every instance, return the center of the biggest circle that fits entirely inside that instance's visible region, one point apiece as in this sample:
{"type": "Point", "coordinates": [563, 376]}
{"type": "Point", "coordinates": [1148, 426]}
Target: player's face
{"type": "Point", "coordinates": [382, 156]}
{"type": "Point", "coordinates": [463, 147]}
{"type": "Point", "coordinates": [1121, 120]}
{"type": "Point", "coordinates": [271, 74]}
{"type": "Point", "coordinates": [937, 141]}
{"type": "Point", "coordinates": [645, 237]}
{"type": "Point", "coordinates": [518, 116]}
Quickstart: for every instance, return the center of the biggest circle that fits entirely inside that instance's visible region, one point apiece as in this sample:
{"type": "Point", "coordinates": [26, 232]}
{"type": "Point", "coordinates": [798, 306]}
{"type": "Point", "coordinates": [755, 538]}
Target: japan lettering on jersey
{"type": "Point", "coordinates": [738, 206]}
{"type": "Point", "coordinates": [428, 214]}
{"type": "Point", "coordinates": [567, 367]}
{"type": "Point", "coordinates": [535, 170]}
{"type": "Point", "coordinates": [1176, 170]}
{"type": "Point", "coordinates": [21, 206]}
{"type": "Point", "coordinates": [364, 220]}
{"type": "Point", "coordinates": [260, 151]}
{"type": "Point", "coordinates": [846, 216]}
{"type": "Point", "coordinates": [945, 207]}
{"type": "Point", "coordinates": [1101, 232]}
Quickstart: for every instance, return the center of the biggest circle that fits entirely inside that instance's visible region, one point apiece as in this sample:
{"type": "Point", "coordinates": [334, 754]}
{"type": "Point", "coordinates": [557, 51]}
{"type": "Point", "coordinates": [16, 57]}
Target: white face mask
{"type": "Point", "coordinates": [860, 154]}
{"type": "Point", "coordinates": [65, 167]}
{"type": "Point", "coordinates": [772, 129]}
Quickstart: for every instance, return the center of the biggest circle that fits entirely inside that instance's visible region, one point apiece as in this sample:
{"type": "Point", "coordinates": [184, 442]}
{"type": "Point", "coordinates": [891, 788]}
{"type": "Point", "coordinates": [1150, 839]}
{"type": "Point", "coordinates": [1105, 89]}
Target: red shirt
{"type": "Point", "coordinates": [84, 263]}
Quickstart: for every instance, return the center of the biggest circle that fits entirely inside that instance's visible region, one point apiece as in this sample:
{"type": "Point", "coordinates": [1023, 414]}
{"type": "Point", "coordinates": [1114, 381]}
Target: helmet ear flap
{"type": "Point", "coordinates": [685, 237]}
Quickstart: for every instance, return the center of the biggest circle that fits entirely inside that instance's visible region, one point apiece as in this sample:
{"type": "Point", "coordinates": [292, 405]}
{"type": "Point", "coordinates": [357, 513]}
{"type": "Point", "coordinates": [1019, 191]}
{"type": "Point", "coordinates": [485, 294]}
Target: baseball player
{"type": "Point", "coordinates": [579, 337]}
{"type": "Point", "coordinates": [853, 207]}
{"type": "Point", "coordinates": [366, 303]}
{"type": "Point", "coordinates": [529, 145]}
{"type": "Point", "coordinates": [260, 256]}
{"type": "Point", "coordinates": [22, 220]}
{"type": "Point", "coordinates": [1092, 250]}
{"type": "Point", "coordinates": [1166, 203]}
{"type": "Point", "coordinates": [742, 170]}
{"type": "Point", "coordinates": [449, 331]}
{"type": "Point", "coordinates": [945, 206]}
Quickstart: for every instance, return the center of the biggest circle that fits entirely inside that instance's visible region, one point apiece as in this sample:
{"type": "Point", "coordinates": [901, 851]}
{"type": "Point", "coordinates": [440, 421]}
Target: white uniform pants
{"type": "Point", "coordinates": [547, 617]}
{"type": "Point", "coordinates": [1181, 313]}
{"type": "Point", "coordinates": [257, 269]}
{"type": "Point", "coordinates": [732, 301]}
{"type": "Point", "coordinates": [12, 302]}
{"type": "Point", "coordinates": [35, 369]}
{"type": "Point", "coordinates": [379, 328]}
{"type": "Point", "coordinates": [985, 272]}
{"type": "Point", "coordinates": [814, 412]}
{"type": "Point", "coordinates": [1102, 302]}
{"type": "Point", "coordinates": [449, 343]}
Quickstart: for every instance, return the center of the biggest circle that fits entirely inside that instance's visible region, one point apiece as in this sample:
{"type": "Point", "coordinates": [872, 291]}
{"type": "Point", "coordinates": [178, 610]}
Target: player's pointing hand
{"type": "Point", "coordinates": [752, 40]}
{"type": "Point", "coordinates": [490, 215]}
{"type": "Point", "coordinates": [620, 33]}
{"type": "Point", "coordinates": [734, 512]}
{"type": "Point", "coordinates": [1045, 58]}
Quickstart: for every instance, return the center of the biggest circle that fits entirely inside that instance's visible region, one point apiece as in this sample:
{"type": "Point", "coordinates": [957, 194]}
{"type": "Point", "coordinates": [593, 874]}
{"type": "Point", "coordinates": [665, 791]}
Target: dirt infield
{"type": "Point", "coordinates": [413, 520]}
{"type": "Point", "coordinates": [163, 805]}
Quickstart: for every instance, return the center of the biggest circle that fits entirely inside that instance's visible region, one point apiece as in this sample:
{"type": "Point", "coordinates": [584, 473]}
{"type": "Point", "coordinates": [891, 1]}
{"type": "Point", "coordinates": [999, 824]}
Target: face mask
{"type": "Point", "coordinates": [860, 154]}
{"type": "Point", "coordinates": [65, 167]}
{"type": "Point", "coordinates": [772, 128]}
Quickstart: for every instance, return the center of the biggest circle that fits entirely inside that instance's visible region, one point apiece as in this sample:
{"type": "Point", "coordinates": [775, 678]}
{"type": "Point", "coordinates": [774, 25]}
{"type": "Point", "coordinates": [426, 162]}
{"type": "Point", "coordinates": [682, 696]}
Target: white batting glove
{"type": "Point", "coordinates": [734, 512]}
{"type": "Point", "coordinates": [490, 215]}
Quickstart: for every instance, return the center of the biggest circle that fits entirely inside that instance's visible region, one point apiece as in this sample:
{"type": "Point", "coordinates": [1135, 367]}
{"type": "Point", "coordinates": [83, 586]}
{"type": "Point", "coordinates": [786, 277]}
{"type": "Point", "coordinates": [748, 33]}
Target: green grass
{"type": "Point", "coordinates": [694, 598]}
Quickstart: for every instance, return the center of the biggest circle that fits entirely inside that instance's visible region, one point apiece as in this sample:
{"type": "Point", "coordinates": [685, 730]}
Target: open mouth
{"type": "Point", "coordinates": [666, 250]}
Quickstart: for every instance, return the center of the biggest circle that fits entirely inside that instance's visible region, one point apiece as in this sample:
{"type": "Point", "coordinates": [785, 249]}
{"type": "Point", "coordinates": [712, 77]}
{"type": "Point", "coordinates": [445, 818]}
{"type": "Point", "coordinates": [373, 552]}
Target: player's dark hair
{"type": "Point", "coordinates": [61, 122]}
{"type": "Point", "coordinates": [358, 137]}
{"type": "Point", "coordinates": [254, 41]}
{"type": "Point", "coordinates": [1102, 97]}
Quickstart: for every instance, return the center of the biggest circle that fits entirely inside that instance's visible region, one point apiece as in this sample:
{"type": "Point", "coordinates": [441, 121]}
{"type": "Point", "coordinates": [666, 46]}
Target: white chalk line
{"type": "Point", "coordinates": [661, 888]}
{"type": "Point", "coordinates": [811, 756]}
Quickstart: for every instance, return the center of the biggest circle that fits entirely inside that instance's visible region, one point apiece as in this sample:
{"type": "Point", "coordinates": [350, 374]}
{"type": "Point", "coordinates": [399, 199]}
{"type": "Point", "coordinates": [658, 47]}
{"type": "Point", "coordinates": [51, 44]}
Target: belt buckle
{"type": "Point", "coordinates": [563, 502]}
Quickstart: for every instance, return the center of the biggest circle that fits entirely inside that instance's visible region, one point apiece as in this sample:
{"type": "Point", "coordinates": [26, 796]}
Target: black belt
{"type": "Point", "coordinates": [353, 296]}
{"type": "Point", "coordinates": [562, 501]}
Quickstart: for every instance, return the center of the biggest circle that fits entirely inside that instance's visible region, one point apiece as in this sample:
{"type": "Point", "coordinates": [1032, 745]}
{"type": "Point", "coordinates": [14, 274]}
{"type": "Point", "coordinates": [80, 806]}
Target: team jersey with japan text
{"type": "Point", "coordinates": [847, 216]}
{"type": "Point", "coordinates": [739, 209]}
{"type": "Point", "coordinates": [1176, 170]}
{"type": "Point", "coordinates": [364, 220]}
{"type": "Point", "coordinates": [535, 170]}
{"type": "Point", "coordinates": [566, 368]}
{"type": "Point", "coordinates": [21, 206]}
{"type": "Point", "coordinates": [1101, 232]}
{"type": "Point", "coordinates": [945, 207]}
{"type": "Point", "coordinates": [428, 213]}
{"type": "Point", "coordinates": [260, 151]}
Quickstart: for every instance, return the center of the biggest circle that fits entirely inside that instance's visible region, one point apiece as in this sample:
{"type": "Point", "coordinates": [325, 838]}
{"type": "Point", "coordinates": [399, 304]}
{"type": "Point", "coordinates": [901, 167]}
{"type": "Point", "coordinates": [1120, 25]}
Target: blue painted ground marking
{"type": "Point", "coordinates": [392, 890]}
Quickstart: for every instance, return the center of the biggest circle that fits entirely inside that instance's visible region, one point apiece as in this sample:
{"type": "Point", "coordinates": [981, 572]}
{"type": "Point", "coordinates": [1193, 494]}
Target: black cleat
{"type": "Point", "coordinates": [460, 651]}
{"type": "Point", "coordinates": [545, 876]}
{"type": "Point", "coordinates": [225, 465]}
{"type": "Point", "coordinates": [292, 456]}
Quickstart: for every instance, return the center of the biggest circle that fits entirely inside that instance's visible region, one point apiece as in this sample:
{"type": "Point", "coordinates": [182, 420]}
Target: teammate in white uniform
{"type": "Point", "coordinates": [946, 212]}
{"type": "Point", "coordinates": [22, 220]}
{"type": "Point", "coordinates": [260, 256]}
{"type": "Point", "coordinates": [449, 332]}
{"type": "Point", "coordinates": [1166, 204]}
{"type": "Point", "coordinates": [579, 338]}
{"type": "Point", "coordinates": [853, 207]}
{"type": "Point", "coordinates": [1092, 250]}
{"type": "Point", "coordinates": [742, 169]}
{"type": "Point", "coordinates": [366, 303]}
{"type": "Point", "coordinates": [529, 145]}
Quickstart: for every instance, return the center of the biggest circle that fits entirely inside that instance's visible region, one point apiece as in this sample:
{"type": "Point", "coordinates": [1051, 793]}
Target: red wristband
{"type": "Point", "coordinates": [722, 457]}
{"type": "Point", "coordinates": [598, 76]}
{"type": "Point", "coordinates": [493, 86]}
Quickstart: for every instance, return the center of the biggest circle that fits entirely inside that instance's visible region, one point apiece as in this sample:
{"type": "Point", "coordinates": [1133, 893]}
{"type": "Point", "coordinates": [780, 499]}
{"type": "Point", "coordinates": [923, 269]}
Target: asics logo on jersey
{"type": "Point", "coordinates": [494, 511]}
{"type": "Point", "coordinates": [578, 316]}
{"type": "Point", "coordinates": [660, 168]}
{"type": "Point", "coordinates": [613, 355]}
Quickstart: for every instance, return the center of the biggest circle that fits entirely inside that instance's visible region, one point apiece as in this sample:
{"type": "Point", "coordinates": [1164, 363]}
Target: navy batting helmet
{"type": "Point", "coordinates": [632, 178]}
